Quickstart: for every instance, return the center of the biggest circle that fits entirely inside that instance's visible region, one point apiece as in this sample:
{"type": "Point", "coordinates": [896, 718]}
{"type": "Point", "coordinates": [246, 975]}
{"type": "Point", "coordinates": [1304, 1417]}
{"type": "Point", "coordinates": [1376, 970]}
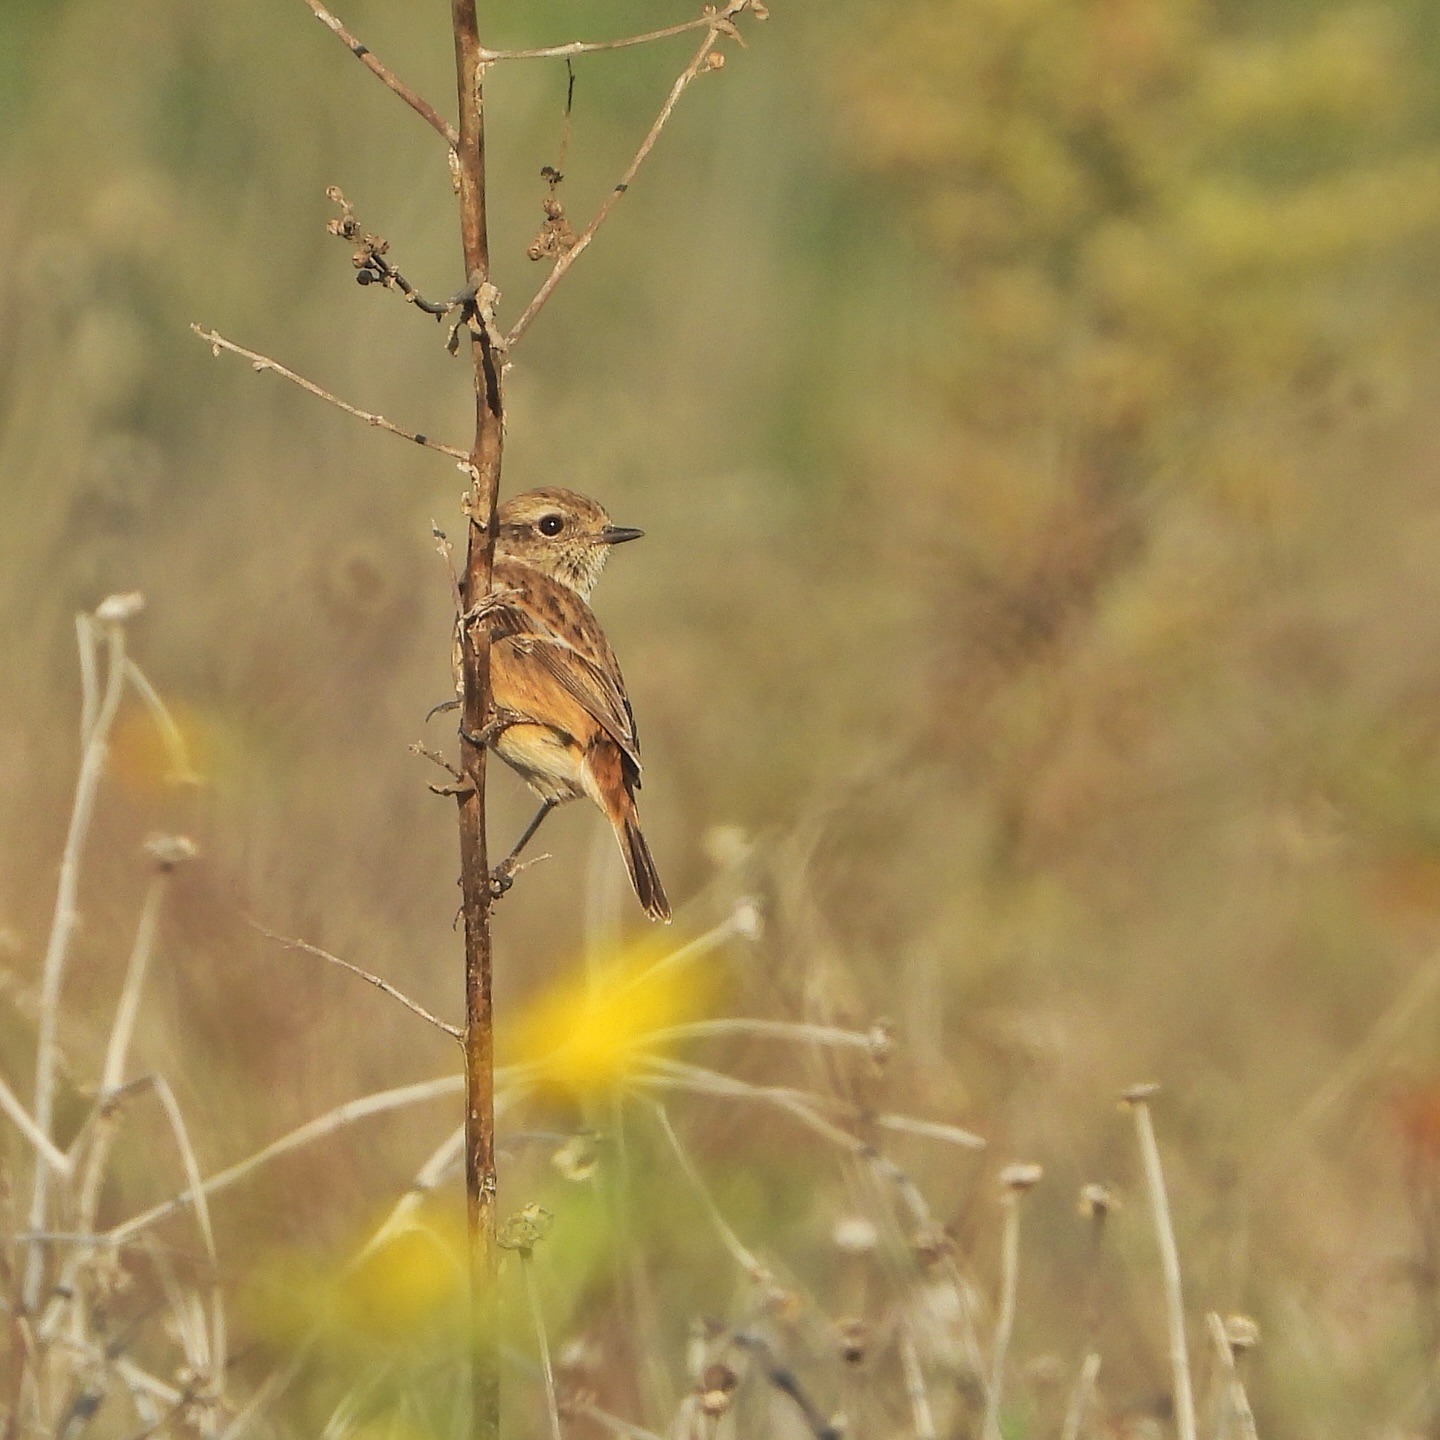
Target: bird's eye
{"type": "Point", "coordinates": [552, 524]}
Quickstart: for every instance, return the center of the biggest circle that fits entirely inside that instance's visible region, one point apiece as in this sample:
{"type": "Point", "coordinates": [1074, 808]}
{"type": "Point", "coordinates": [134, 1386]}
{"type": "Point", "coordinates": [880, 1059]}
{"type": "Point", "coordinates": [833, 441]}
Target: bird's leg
{"type": "Point", "coordinates": [499, 722]}
{"type": "Point", "coordinates": [502, 877]}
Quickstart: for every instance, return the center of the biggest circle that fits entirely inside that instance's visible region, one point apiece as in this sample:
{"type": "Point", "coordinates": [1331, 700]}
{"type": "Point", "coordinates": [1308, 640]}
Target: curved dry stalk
{"type": "Point", "coordinates": [728, 1238]}
{"type": "Point", "coordinates": [363, 54]}
{"type": "Point", "coordinates": [572, 48]}
{"type": "Point", "coordinates": [542, 1339]}
{"type": "Point", "coordinates": [65, 919]}
{"type": "Point", "coordinates": [327, 1124]}
{"type": "Point", "coordinates": [783, 1030]}
{"type": "Point", "coordinates": [258, 362]}
{"type": "Point", "coordinates": [611, 1423]}
{"type": "Point", "coordinates": [1137, 1099]}
{"type": "Point", "coordinates": [181, 771]}
{"type": "Point", "coordinates": [915, 1385]}
{"type": "Point", "coordinates": [414, 1006]}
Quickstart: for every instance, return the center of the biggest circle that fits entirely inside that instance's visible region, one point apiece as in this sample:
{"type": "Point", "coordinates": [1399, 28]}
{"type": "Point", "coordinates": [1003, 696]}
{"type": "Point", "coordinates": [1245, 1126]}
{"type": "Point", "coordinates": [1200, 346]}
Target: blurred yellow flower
{"type": "Point", "coordinates": [585, 1033]}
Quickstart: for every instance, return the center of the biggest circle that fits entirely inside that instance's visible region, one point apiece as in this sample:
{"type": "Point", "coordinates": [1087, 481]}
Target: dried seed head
{"type": "Point", "coordinates": [1139, 1094]}
{"type": "Point", "coordinates": [1242, 1333]}
{"type": "Point", "coordinates": [714, 61]}
{"type": "Point", "coordinates": [882, 1040]}
{"type": "Point", "coordinates": [855, 1235]}
{"type": "Point", "coordinates": [525, 1230]}
{"type": "Point", "coordinates": [117, 609]}
{"type": "Point", "coordinates": [1096, 1202]}
{"type": "Point", "coordinates": [578, 1158]}
{"type": "Point", "coordinates": [854, 1339]}
{"type": "Point", "coordinates": [931, 1245]}
{"type": "Point", "coordinates": [748, 921]}
{"type": "Point", "coordinates": [717, 1385]}
{"type": "Point", "coordinates": [1019, 1178]}
{"type": "Point", "coordinates": [168, 851]}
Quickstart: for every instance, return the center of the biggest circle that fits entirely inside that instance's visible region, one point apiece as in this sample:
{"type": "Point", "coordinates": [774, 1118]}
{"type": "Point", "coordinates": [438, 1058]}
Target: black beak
{"type": "Point", "coordinates": [618, 534]}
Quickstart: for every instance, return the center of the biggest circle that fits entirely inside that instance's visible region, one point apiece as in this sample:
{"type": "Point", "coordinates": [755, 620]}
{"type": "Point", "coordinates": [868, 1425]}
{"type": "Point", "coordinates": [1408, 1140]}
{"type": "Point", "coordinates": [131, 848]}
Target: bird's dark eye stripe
{"type": "Point", "coordinates": [551, 524]}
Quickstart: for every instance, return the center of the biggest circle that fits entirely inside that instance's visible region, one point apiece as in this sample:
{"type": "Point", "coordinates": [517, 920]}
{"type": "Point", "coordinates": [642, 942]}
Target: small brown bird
{"type": "Point", "coordinates": [563, 719]}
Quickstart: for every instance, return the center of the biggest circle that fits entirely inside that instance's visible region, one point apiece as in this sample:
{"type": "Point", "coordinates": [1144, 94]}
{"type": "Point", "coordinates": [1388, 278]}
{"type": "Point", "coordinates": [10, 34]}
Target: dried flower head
{"type": "Point", "coordinates": [1016, 1179]}
{"type": "Point", "coordinates": [855, 1235]}
{"type": "Point", "coordinates": [1096, 1202]}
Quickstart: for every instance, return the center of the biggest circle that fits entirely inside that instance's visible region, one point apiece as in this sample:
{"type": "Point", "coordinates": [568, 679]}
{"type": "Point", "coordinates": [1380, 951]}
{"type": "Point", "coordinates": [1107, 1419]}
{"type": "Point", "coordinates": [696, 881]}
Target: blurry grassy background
{"type": "Point", "coordinates": [1031, 407]}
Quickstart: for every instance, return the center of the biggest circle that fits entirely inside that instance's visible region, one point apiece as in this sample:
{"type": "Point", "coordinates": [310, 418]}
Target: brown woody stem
{"type": "Point", "coordinates": [480, 1184]}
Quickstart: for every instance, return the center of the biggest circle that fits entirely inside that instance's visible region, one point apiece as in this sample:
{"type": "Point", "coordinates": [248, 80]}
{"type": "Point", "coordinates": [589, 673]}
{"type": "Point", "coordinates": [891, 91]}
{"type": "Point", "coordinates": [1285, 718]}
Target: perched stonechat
{"type": "Point", "coordinates": [562, 718]}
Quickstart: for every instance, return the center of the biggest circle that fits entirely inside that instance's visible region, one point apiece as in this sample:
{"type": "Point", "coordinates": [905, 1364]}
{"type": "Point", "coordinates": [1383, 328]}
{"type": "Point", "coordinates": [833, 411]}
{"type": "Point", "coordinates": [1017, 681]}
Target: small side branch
{"type": "Point", "coordinates": [218, 342]}
{"type": "Point", "coordinates": [414, 1006]}
{"type": "Point", "coordinates": [721, 20]}
{"type": "Point", "coordinates": [362, 53]}
{"type": "Point", "coordinates": [705, 58]}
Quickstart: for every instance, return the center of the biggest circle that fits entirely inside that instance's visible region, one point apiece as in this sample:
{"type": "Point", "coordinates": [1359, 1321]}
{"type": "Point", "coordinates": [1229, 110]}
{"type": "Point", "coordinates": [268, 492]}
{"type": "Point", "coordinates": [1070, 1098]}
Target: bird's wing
{"type": "Point", "coordinates": [550, 624]}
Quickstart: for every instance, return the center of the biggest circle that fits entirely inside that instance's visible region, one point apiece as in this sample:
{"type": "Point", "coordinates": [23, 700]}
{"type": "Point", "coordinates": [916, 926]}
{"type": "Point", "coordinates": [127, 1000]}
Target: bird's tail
{"type": "Point", "coordinates": [641, 865]}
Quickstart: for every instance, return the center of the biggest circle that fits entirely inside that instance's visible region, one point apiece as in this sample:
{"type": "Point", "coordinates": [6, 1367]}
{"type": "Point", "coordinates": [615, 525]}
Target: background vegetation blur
{"type": "Point", "coordinates": [1031, 408]}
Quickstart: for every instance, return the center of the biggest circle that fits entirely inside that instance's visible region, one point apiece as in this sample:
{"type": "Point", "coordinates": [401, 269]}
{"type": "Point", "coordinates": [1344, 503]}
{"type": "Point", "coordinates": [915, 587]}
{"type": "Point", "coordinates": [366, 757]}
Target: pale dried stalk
{"type": "Point", "coordinates": [62, 929]}
{"type": "Point", "coordinates": [1005, 1321]}
{"type": "Point", "coordinates": [326, 1124]}
{"type": "Point", "coordinates": [1081, 1397]}
{"type": "Point", "coordinates": [52, 1155]}
{"type": "Point", "coordinates": [542, 1339]}
{"type": "Point", "coordinates": [1234, 1402]}
{"type": "Point", "coordinates": [783, 1030]}
{"type": "Point", "coordinates": [1169, 1268]}
{"type": "Point", "coordinates": [613, 1423]}
{"type": "Point", "coordinates": [915, 1389]}
{"type": "Point", "coordinates": [181, 771]}
{"type": "Point", "coordinates": [728, 1238]}
{"type": "Point", "coordinates": [102, 1133]}
{"type": "Point", "coordinates": [931, 1130]}
{"type": "Point", "coordinates": [218, 342]}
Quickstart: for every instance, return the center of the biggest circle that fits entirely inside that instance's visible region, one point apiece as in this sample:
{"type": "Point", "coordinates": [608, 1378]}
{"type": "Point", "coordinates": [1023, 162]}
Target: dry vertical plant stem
{"type": "Point", "coordinates": [1015, 1181]}
{"type": "Point", "coordinates": [480, 1182]}
{"type": "Point", "coordinates": [1137, 1098]}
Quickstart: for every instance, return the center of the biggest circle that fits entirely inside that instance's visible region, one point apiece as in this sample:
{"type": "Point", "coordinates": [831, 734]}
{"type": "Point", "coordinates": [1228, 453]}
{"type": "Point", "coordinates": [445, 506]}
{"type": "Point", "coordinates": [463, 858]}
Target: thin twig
{"type": "Point", "coordinates": [62, 928]}
{"type": "Point", "coordinates": [414, 1006]}
{"type": "Point", "coordinates": [591, 47]}
{"type": "Point", "coordinates": [1080, 1397]}
{"type": "Point", "coordinates": [362, 53]}
{"type": "Point", "coordinates": [700, 61]}
{"type": "Point", "coordinates": [323, 1125]}
{"type": "Point", "coordinates": [218, 342]}
{"type": "Point", "coordinates": [1138, 1099]}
